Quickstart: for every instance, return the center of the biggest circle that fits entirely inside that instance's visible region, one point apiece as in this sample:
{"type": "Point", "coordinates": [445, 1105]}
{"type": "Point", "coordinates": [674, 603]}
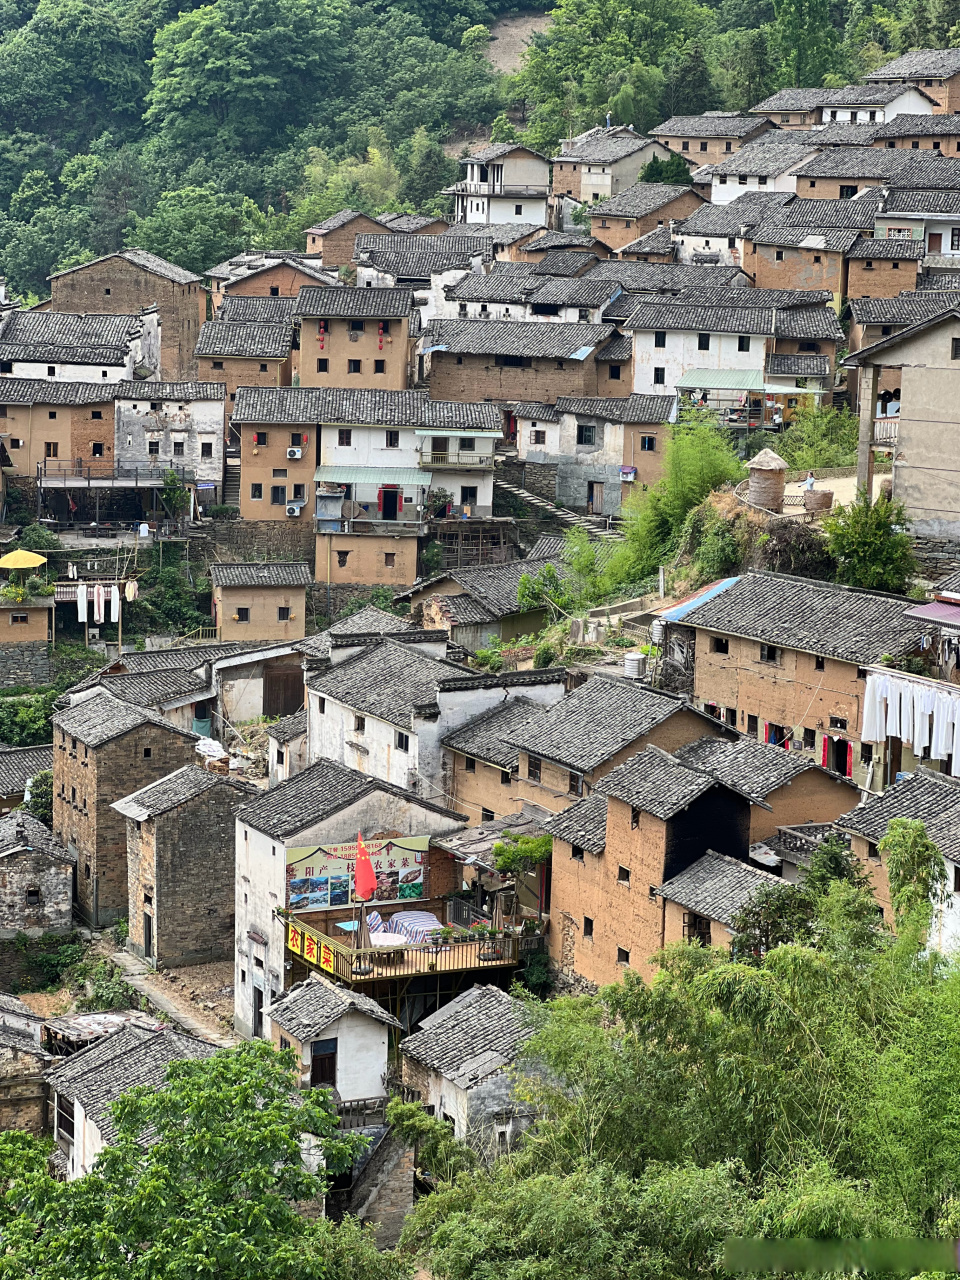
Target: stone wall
{"type": "Point", "coordinates": [539, 478]}
{"type": "Point", "coordinates": [936, 556]}
{"type": "Point", "coordinates": [34, 869]}
{"type": "Point", "coordinates": [27, 663]}
{"type": "Point", "coordinates": [244, 540]}
{"type": "Point", "coordinates": [23, 1100]}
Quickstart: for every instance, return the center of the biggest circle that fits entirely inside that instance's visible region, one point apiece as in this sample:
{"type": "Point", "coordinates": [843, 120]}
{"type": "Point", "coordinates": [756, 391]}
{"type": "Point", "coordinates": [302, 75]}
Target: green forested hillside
{"type": "Point", "coordinates": [240, 122]}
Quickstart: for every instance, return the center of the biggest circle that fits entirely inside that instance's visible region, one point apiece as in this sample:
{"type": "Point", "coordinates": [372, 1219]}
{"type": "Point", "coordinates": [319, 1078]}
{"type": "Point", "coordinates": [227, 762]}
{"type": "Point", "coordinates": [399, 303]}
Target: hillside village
{"type": "Point", "coordinates": [492, 635]}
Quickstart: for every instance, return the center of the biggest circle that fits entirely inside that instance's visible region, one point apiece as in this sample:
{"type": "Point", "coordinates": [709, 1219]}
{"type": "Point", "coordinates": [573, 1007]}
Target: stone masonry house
{"type": "Point", "coordinates": [357, 337]}
{"type": "Point", "coordinates": [168, 424]}
{"type": "Point", "coordinates": [924, 796]}
{"type": "Point", "coordinates": [102, 748]}
{"type": "Point", "coordinates": [260, 601]}
{"type": "Point", "coordinates": [84, 1086]}
{"type": "Point", "coordinates": [784, 660]}
{"type": "Point", "coordinates": [459, 1064]}
{"type": "Point", "coordinates": [36, 879]}
{"type": "Point", "coordinates": [341, 1037]}
{"type": "Point", "coordinates": [324, 806]}
{"type": "Point", "coordinates": [130, 280]}
{"type": "Point", "coordinates": [180, 874]}
{"type": "Point", "coordinates": [503, 360]}
{"type": "Point", "coordinates": [639, 209]}
{"type": "Point", "coordinates": [17, 766]}
{"type": "Point", "coordinates": [23, 1095]}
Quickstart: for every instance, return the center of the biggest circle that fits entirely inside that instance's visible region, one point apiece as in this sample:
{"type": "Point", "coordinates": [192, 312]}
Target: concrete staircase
{"type": "Point", "coordinates": [595, 526]}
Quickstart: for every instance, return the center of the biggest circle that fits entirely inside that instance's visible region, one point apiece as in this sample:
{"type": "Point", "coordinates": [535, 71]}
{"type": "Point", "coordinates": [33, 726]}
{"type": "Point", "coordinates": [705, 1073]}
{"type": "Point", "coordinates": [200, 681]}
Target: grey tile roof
{"type": "Point", "coordinates": [755, 768]}
{"type": "Point", "coordinates": [485, 737]}
{"type": "Point", "coordinates": [508, 337]}
{"type": "Point", "coordinates": [68, 338]}
{"type": "Point", "coordinates": [920, 202]}
{"type": "Point", "coordinates": [21, 829]}
{"type": "Point", "coordinates": [951, 583]}
{"type": "Point", "coordinates": [175, 789]}
{"type": "Point", "coordinates": [473, 1037]}
{"type": "Point", "coordinates": [19, 764]}
{"type": "Point", "coordinates": [532, 409]}
{"type": "Point", "coordinates": [817, 617]}
{"type": "Point", "coordinates": [50, 391]}
{"type": "Point", "coordinates": [135, 1055]}
{"type": "Point", "coordinates": [181, 391]}
{"type": "Point", "coordinates": [255, 265]}
{"type": "Point", "coordinates": [662, 276]}
{"type": "Point", "coordinates": [410, 223]}
{"type": "Point", "coordinates": [310, 406]}
{"type": "Point", "coordinates": [575, 292]}
{"type": "Point", "coordinates": [565, 262]}
{"type": "Point", "coordinates": [463, 611]}
{"type": "Point", "coordinates": [380, 304]}
{"type": "Point", "coordinates": [476, 843]}
{"type": "Point", "coordinates": [504, 282]}
{"type": "Point", "coordinates": [595, 721]}
{"type": "Point", "coordinates": [896, 249]}
{"type": "Point", "coordinates": [850, 95]}
{"type": "Point", "coordinates": [141, 258]}
{"type": "Point", "coordinates": [633, 408]}
{"type": "Point", "coordinates": [388, 681]}
{"type": "Point", "coordinates": [938, 281]}
{"type": "Point", "coordinates": [717, 887]}
{"type": "Point", "coordinates": [584, 824]}
{"type": "Point", "coordinates": [369, 619]}
{"type": "Point", "coordinates": [317, 793]}
{"type": "Point", "coordinates": [925, 796]}
{"type": "Point", "coordinates": [185, 657]}
{"type": "Point", "coordinates": [800, 366]}
{"type": "Point", "coordinates": [560, 240]}
{"type": "Point", "coordinates": [255, 341]}
{"type": "Point", "coordinates": [841, 133]}
{"type": "Point", "coordinates": [749, 209]}
{"type": "Point", "coordinates": [335, 222]}
{"type": "Point", "coordinates": [791, 100]}
{"type": "Point", "coordinates": [711, 125]}
{"type": "Point", "coordinates": [310, 1007]}
{"type": "Point", "coordinates": [920, 64]}
{"type": "Point", "coordinates": [288, 728]}
{"type": "Point", "coordinates": [279, 573]}
{"type": "Point", "coordinates": [497, 149]}
{"type": "Point", "coordinates": [409, 265]}
{"type": "Point", "coordinates": [619, 350]}
{"type": "Point", "coordinates": [12, 1004]}
{"type": "Point", "coordinates": [659, 240]}
{"type": "Point", "coordinates": [155, 688]}
{"type": "Point", "coordinates": [493, 585]}
{"type": "Point", "coordinates": [102, 717]}
{"type": "Point", "coordinates": [916, 126]}
{"type": "Point", "coordinates": [457, 239]}
{"type": "Point", "coordinates": [829, 239]}
{"type": "Point", "coordinates": [906, 308]}
{"type": "Point", "coordinates": [859, 212]}
{"type": "Point", "coordinates": [236, 309]}
{"type": "Point", "coordinates": [602, 148]}
{"type": "Point", "coordinates": [656, 783]}
{"type": "Point", "coordinates": [498, 233]}
{"type": "Point", "coordinates": [764, 160]}
{"type": "Point", "coordinates": [639, 200]}
{"type": "Point", "coordinates": [901, 168]}
{"type": "Point", "coordinates": [800, 322]}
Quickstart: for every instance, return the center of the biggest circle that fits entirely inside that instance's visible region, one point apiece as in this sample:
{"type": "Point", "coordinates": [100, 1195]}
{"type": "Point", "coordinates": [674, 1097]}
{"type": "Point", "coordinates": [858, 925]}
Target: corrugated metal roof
{"type": "Point", "coordinates": [680, 611]}
{"type": "Point", "coordinates": [937, 611]}
{"type": "Point", "coordinates": [374, 475]}
{"type": "Point", "coordinates": [722, 379]}
{"type": "Point", "coordinates": [459, 431]}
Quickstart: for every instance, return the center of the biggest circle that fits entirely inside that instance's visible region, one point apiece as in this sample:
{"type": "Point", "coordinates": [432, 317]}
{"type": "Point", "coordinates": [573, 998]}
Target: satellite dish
{"type": "Point", "coordinates": [349, 510]}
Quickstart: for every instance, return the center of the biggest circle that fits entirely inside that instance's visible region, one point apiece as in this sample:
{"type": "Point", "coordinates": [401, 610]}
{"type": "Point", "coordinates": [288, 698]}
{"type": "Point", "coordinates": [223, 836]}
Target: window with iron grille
{"type": "Point", "coordinates": [696, 928]}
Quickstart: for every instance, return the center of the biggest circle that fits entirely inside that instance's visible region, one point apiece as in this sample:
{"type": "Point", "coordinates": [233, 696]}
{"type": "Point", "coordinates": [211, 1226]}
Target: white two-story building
{"type": "Point", "coordinates": [505, 182]}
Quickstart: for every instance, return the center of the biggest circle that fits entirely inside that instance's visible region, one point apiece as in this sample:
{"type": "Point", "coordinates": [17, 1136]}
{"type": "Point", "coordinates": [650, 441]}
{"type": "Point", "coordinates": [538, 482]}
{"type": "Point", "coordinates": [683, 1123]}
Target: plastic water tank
{"type": "Point", "coordinates": [634, 665]}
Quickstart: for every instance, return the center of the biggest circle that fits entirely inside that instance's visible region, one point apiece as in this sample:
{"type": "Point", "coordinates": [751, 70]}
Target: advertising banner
{"type": "Point", "coordinates": [321, 876]}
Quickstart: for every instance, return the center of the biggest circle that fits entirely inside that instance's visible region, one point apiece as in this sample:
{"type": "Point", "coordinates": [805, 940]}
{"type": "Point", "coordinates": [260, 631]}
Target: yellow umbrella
{"type": "Point", "coordinates": [21, 560]}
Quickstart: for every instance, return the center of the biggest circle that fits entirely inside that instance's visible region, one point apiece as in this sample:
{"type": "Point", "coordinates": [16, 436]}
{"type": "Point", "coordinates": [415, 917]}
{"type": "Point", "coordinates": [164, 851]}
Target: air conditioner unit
{"type": "Point", "coordinates": [293, 510]}
{"type": "Point", "coordinates": [294, 453]}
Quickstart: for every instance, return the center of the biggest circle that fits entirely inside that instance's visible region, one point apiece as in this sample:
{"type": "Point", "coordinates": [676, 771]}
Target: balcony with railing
{"type": "Point", "coordinates": [536, 191]}
{"type": "Point", "coordinates": [373, 525]}
{"type": "Point", "coordinates": [56, 473]}
{"type": "Point", "coordinates": [455, 460]}
{"type": "Point", "coordinates": [885, 432]}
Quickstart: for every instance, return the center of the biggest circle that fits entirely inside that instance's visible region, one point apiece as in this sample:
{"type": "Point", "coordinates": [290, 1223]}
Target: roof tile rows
{"type": "Point", "coordinates": [717, 887]}
{"type": "Point", "coordinates": [925, 796]}
{"type": "Point", "coordinates": [476, 1035]}
{"type": "Point", "coordinates": [308, 1008]}
{"type": "Point", "coordinates": [303, 406]}
{"type": "Point", "coordinates": [279, 573]}
{"type": "Point", "coordinates": [177, 788]}
{"type": "Point", "coordinates": [486, 736]}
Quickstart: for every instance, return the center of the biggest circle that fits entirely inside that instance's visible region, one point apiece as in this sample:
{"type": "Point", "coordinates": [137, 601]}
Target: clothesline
{"type": "Point", "coordinates": [922, 714]}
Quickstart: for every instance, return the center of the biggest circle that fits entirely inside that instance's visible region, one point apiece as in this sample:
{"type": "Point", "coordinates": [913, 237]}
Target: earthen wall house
{"type": "Point", "coordinates": [180, 865]}
{"type": "Point", "coordinates": [786, 267]}
{"type": "Point", "coordinates": [617, 230]}
{"type": "Point", "coordinates": [835, 188]}
{"type": "Point", "coordinates": [103, 748]}
{"type": "Point", "coordinates": [132, 279]}
{"type": "Point", "coordinates": [880, 278]}
{"type": "Point", "coordinates": [334, 239]}
{"type": "Point", "coordinates": [23, 1097]}
{"type": "Point", "coordinates": [370, 559]}
{"type": "Point", "coordinates": [27, 623]}
{"type": "Point", "coordinates": [59, 423]}
{"type": "Point", "coordinates": [262, 601]}
{"type": "Point", "coordinates": [478, 377]}
{"type": "Point", "coordinates": [356, 338]}
{"type": "Point", "coordinates": [269, 479]}
{"type": "Point", "coordinates": [237, 371]}
{"type": "Point", "coordinates": [281, 280]}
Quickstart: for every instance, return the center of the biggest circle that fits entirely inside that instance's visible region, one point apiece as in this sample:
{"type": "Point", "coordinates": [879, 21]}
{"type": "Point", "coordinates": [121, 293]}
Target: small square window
{"type": "Point", "coordinates": [752, 726]}
{"type": "Point", "coordinates": [278, 495]}
{"type": "Point", "coordinates": [660, 338]}
{"type": "Point", "coordinates": [588, 925]}
{"type": "Point", "coordinates": [486, 815]}
{"type": "Point", "coordinates": [51, 370]}
{"type": "Point", "coordinates": [575, 784]}
{"type": "Point", "coordinates": [216, 364]}
{"type": "Point", "coordinates": [389, 559]}
{"type": "Point", "coordinates": [323, 365]}
{"type": "Point", "coordinates": [354, 366]}
{"type": "Point", "coordinates": [260, 438]}
{"type": "Point", "coordinates": [283, 613]}
{"type": "Point", "coordinates": [19, 619]}
{"type": "Point", "coordinates": [838, 722]}
{"type": "Point", "coordinates": [33, 897]}
{"type": "Point", "coordinates": [576, 853]}
{"type": "Point", "coordinates": [359, 724]}
{"type": "Point", "coordinates": [809, 739]}
{"type": "Point", "coordinates": [392, 439]}
{"type": "Point", "coordinates": [356, 326]}
{"type": "Point", "coordinates": [279, 473]}
{"type": "Point", "coordinates": [819, 663]}
{"type": "Point", "coordinates": [178, 448]}
{"type": "Point", "coordinates": [345, 437]}
{"type": "Point", "coordinates": [52, 414]}
{"type": "Point", "coordinates": [538, 437]}
{"type": "Point", "coordinates": [402, 741]}
{"type": "Point", "coordinates": [379, 366]}
{"type": "Point", "coordinates": [769, 653]}
{"type": "Point", "coordinates": [586, 433]}
{"type": "Point", "coordinates": [779, 255]}
{"type": "Point", "coordinates": [613, 372]}
{"type": "Point", "coordinates": [955, 348]}
{"type": "Point", "coordinates": [866, 752]}
{"type": "Point", "coordinates": [817, 258]}
{"type": "Point", "coordinates": [659, 375]}
{"type": "Point", "coordinates": [648, 444]}
{"type": "Point", "coordinates": [743, 342]}
{"type": "Point", "coordinates": [703, 342]}
{"type": "Point", "coordinates": [469, 764]}
{"type": "Point", "coordinates": [623, 875]}
{"type": "Point", "coordinates": [256, 492]}
{"type": "Point", "coordinates": [719, 644]}
{"type": "Point", "coordinates": [6, 366]}
{"type": "Point", "coordinates": [321, 706]}
{"type": "Point", "coordinates": [243, 613]}
{"type": "Point", "coordinates": [623, 955]}
{"type": "Point", "coordinates": [206, 449]}
{"type": "Point", "coordinates": [147, 752]}
{"type": "Point", "coordinates": [505, 778]}
{"type": "Point", "coordinates": [533, 768]}
{"type": "Point", "coordinates": [97, 415]}
{"type": "Point", "coordinates": [96, 449]}
{"type": "Point", "coordinates": [153, 448]}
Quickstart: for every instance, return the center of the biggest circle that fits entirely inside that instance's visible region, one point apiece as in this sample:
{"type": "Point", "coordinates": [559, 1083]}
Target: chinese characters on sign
{"type": "Point", "coordinates": [322, 875]}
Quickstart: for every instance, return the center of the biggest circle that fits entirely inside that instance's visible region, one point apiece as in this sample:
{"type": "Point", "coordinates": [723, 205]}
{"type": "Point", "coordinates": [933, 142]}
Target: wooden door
{"type": "Point", "coordinates": [934, 242]}
{"type": "Point", "coordinates": [282, 692]}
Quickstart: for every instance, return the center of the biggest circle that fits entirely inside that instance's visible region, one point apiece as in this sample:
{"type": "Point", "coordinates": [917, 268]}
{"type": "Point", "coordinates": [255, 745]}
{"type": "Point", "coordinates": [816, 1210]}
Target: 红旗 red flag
{"type": "Point", "coordinates": [364, 878]}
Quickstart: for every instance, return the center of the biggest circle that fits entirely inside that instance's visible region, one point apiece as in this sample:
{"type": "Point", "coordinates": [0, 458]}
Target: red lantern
{"type": "Point", "coordinates": [380, 334]}
{"type": "Point", "coordinates": [321, 332]}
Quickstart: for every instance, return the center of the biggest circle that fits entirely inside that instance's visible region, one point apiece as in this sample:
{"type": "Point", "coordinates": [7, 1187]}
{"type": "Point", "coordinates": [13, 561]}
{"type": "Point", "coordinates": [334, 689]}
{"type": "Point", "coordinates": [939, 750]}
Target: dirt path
{"type": "Point", "coordinates": [510, 35]}
{"type": "Point", "coordinates": [199, 998]}
{"type": "Point", "coordinates": [844, 488]}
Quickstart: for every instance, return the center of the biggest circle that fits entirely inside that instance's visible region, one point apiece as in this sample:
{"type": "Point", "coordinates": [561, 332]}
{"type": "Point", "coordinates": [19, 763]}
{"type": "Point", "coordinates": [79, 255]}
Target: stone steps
{"type": "Point", "coordinates": [595, 526]}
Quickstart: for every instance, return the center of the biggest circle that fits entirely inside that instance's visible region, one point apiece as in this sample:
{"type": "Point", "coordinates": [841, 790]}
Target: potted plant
{"type": "Point", "coordinates": [446, 934]}
{"type": "Point", "coordinates": [478, 931]}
